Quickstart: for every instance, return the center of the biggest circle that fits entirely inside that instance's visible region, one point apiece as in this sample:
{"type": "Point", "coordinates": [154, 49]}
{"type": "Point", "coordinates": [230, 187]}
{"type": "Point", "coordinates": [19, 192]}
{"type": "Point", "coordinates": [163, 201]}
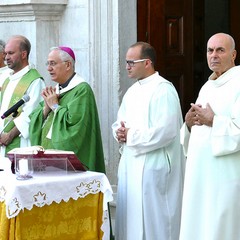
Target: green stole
{"type": "Point", "coordinates": [18, 93]}
{"type": "Point", "coordinates": [45, 142]}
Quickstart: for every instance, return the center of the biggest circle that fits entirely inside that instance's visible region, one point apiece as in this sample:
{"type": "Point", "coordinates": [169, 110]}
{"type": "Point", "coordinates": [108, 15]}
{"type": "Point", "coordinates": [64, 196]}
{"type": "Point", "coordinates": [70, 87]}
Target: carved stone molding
{"type": "Point", "coordinates": [31, 10]}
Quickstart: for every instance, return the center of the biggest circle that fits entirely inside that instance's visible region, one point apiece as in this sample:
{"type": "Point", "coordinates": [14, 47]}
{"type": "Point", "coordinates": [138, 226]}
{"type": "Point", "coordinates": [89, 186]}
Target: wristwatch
{"type": "Point", "coordinates": [54, 106]}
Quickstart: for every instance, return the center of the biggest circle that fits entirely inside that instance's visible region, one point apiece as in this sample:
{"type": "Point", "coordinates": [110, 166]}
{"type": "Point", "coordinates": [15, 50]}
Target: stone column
{"type": "Point", "coordinates": [38, 20]}
{"type": "Point", "coordinates": [99, 31]}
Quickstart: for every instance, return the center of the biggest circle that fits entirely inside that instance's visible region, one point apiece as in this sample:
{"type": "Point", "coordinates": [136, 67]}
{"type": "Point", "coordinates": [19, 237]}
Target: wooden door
{"type": "Point", "coordinates": [168, 26]}
{"type": "Point", "coordinates": [178, 29]}
{"type": "Point", "coordinates": [234, 25]}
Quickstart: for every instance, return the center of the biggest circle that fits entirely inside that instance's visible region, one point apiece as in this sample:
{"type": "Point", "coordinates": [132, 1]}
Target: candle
{"type": "Point", "coordinates": [23, 167]}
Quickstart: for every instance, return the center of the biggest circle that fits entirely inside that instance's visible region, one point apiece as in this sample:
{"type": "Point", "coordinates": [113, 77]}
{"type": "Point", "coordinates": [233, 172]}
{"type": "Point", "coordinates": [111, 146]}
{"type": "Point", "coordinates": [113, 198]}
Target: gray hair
{"type": "Point", "coordinates": [232, 42]}
{"type": "Point", "coordinates": [64, 56]}
{"type": "Point", "coordinates": [2, 46]}
{"type": "Point", "coordinates": [229, 37]}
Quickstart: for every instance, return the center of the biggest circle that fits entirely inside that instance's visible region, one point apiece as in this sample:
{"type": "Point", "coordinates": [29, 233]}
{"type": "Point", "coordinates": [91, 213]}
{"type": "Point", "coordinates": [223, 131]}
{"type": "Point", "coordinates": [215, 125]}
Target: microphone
{"type": "Point", "coordinates": [15, 107]}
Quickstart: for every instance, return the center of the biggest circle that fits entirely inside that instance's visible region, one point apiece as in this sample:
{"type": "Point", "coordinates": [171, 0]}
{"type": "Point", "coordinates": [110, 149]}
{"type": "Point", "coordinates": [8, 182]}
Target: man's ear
{"type": "Point", "coordinates": [234, 54]}
{"type": "Point", "coordinates": [148, 62]}
{"type": "Point", "coordinates": [69, 65]}
{"type": "Point", "coordinates": [24, 54]}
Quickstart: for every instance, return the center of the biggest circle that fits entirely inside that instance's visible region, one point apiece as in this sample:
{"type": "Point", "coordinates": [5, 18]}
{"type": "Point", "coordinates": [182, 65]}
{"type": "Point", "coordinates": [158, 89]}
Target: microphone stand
{"type": "Point", "coordinates": [10, 120]}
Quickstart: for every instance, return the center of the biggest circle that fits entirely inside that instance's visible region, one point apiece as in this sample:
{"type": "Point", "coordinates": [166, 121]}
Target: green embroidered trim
{"type": "Point", "coordinates": [18, 93]}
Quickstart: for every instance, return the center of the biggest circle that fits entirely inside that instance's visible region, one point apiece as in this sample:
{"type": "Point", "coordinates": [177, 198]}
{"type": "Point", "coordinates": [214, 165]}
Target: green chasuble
{"type": "Point", "coordinates": [75, 127]}
{"type": "Point", "coordinates": [18, 93]}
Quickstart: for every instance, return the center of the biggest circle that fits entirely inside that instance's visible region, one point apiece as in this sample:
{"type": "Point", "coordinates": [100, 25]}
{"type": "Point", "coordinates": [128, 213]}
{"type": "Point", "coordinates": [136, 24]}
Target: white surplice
{"type": "Point", "coordinates": [4, 73]}
{"type": "Point", "coordinates": [22, 121]}
{"type": "Point", "coordinates": [151, 168]}
{"type": "Point", "coordinates": [211, 199]}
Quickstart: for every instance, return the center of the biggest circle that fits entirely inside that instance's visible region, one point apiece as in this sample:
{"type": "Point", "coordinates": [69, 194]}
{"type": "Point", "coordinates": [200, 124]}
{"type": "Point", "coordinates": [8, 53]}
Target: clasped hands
{"type": "Point", "coordinates": [197, 115]}
{"type": "Point", "coordinates": [50, 98]}
{"type": "Point", "coordinates": [122, 133]}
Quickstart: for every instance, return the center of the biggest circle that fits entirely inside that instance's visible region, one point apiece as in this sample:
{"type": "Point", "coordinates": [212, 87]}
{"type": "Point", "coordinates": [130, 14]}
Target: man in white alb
{"type": "Point", "coordinates": [151, 168]}
{"type": "Point", "coordinates": [211, 140]}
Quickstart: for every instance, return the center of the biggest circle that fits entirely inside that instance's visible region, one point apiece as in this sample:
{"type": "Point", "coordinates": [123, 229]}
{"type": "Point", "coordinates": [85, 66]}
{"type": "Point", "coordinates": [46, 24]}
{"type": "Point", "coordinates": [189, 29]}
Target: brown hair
{"type": "Point", "coordinates": [147, 51]}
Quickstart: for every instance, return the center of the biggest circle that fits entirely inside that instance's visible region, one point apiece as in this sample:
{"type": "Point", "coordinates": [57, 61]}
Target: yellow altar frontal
{"type": "Point", "coordinates": [49, 207]}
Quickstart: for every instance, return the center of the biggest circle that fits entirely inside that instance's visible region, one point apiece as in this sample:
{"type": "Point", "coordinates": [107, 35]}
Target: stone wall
{"type": "Point", "coordinates": [99, 31]}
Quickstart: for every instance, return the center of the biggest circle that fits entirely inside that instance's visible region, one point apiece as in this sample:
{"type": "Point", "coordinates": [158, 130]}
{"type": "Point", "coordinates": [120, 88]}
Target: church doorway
{"type": "Point", "coordinates": [179, 30]}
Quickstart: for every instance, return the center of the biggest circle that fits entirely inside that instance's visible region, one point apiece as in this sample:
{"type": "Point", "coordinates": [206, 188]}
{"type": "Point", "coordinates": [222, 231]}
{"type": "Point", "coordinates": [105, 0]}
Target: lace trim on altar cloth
{"type": "Point", "coordinates": [44, 191]}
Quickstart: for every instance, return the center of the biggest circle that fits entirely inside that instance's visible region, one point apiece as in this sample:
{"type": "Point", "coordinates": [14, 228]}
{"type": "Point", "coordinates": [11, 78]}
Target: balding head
{"type": "Point", "coordinates": [221, 53]}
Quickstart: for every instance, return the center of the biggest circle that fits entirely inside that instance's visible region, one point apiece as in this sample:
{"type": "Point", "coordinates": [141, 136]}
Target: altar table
{"type": "Point", "coordinates": [55, 206]}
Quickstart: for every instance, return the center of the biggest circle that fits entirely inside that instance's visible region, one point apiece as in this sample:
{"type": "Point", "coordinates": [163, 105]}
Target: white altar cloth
{"type": "Point", "coordinates": [45, 188]}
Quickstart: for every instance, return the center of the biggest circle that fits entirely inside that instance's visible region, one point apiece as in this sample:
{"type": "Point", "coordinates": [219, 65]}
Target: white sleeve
{"type": "Point", "coordinates": [34, 92]}
{"type": "Point", "coordinates": [225, 137]}
{"type": "Point", "coordinates": [184, 138]}
{"type": "Point", "coordinates": [164, 122]}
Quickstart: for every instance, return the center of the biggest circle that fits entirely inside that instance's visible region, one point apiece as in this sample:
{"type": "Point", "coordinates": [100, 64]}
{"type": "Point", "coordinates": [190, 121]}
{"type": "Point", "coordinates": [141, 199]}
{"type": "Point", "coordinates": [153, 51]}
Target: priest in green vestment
{"type": "Point", "coordinates": [68, 119]}
{"type": "Point", "coordinates": [24, 82]}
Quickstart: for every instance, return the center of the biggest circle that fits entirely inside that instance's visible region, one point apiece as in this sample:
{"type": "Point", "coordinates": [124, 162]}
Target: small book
{"type": "Point", "coordinates": [48, 157]}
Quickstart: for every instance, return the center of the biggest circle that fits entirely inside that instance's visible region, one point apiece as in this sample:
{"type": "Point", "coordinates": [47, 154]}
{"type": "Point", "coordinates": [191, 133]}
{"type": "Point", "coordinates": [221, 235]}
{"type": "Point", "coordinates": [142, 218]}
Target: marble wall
{"type": "Point", "coordinates": [99, 31]}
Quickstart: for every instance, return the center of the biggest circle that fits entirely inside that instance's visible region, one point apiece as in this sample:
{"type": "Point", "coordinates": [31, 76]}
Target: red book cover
{"type": "Point", "coordinates": [48, 157]}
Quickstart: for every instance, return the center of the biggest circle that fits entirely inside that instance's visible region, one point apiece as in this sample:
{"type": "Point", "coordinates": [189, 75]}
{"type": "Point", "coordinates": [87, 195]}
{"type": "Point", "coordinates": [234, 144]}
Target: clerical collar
{"type": "Point", "coordinates": [61, 86]}
{"type": "Point", "coordinates": [147, 79]}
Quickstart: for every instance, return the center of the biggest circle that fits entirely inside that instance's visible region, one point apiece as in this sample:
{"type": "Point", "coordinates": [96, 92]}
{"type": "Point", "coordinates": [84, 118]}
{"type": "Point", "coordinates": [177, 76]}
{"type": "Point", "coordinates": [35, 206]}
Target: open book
{"type": "Point", "coordinates": [48, 156]}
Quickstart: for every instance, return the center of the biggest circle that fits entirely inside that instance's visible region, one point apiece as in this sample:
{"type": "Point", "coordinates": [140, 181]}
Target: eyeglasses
{"type": "Point", "coordinates": [53, 63]}
{"type": "Point", "coordinates": [131, 63]}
